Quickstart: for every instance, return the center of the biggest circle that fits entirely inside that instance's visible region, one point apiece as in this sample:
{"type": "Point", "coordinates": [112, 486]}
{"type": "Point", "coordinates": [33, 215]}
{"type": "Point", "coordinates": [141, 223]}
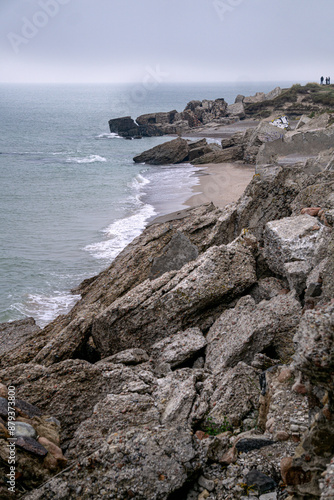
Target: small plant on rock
{"type": "Point", "coordinates": [247, 489]}
{"type": "Point", "coordinates": [214, 428]}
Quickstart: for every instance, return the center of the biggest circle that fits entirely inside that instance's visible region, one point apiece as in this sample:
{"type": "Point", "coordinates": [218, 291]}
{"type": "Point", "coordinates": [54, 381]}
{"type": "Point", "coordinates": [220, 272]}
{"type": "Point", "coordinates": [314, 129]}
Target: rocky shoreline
{"type": "Point", "coordinates": [200, 364]}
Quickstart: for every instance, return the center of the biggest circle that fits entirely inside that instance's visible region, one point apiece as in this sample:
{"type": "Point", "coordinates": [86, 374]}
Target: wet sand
{"type": "Point", "coordinates": [221, 184]}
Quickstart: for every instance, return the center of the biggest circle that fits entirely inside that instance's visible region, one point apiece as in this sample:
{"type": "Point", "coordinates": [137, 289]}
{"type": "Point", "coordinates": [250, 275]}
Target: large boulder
{"type": "Point", "coordinates": [269, 197]}
{"type": "Point", "coordinates": [126, 127]}
{"type": "Point", "coordinates": [255, 138]}
{"type": "Point", "coordinates": [69, 390]}
{"type": "Point", "coordinates": [133, 429]}
{"type": "Point", "coordinates": [150, 464]}
{"type": "Point", "coordinates": [179, 150]}
{"type": "Point", "coordinates": [318, 194]}
{"type": "Point", "coordinates": [70, 335]}
{"type": "Point", "coordinates": [229, 395]}
{"type": "Point", "coordinates": [261, 96]}
{"type": "Point", "coordinates": [314, 358]}
{"type": "Point", "coordinates": [218, 155]}
{"type": "Point", "coordinates": [245, 145]}
{"type": "Point", "coordinates": [198, 149]}
{"type": "Point", "coordinates": [303, 120]}
{"type": "Point", "coordinates": [175, 255]}
{"type": "Point", "coordinates": [273, 93]}
{"type": "Point", "coordinates": [174, 396]}
{"type": "Point", "coordinates": [291, 239]}
{"type": "Point", "coordinates": [178, 348]}
{"type": "Point", "coordinates": [304, 144]}
{"type": "Point", "coordinates": [15, 333]}
{"type": "Point", "coordinates": [315, 346]}
{"type": "Point", "coordinates": [203, 112]}
{"type": "Point", "coordinates": [195, 114]}
{"type": "Point", "coordinates": [258, 97]}
{"type": "Point", "coordinates": [175, 151]}
{"type": "Point", "coordinates": [240, 333]}
{"type": "Point", "coordinates": [156, 118]}
{"type": "Point", "coordinates": [319, 122]}
{"type": "Point", "coordinates": [176, 300]}
{"type": "Point", "coordinates": [236, 109]}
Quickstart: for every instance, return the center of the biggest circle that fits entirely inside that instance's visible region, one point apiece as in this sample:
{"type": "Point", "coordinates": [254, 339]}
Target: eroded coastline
{"type": "Point", "coordinates": [198, 365]}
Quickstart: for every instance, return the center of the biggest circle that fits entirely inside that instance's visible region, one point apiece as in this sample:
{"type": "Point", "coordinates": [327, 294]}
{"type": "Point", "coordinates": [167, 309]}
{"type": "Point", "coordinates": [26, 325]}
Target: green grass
{"type": "Point", "coordinates": [324, 97]}
{"type": "Point", "coordinates": [314, 98]}
{"type": "Point", "coordinates": [213, 428]}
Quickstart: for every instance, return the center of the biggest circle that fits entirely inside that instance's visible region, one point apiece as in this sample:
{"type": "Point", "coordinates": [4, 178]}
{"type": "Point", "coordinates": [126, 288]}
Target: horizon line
{"type": "Point", "coordinates": [139, 82]}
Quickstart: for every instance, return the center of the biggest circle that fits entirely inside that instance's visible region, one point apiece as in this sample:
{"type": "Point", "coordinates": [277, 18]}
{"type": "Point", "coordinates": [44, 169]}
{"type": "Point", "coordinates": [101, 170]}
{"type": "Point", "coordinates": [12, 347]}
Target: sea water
{"type": "Point", "coordinates": [71, 197]}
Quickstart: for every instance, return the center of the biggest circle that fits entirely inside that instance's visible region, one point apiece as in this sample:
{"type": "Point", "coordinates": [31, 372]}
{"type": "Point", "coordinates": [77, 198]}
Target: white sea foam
{"type": "Point", "coordinates": [122, 231]}
{"type": "Point", "coordinates": [61, 153]}
{"type": "Point", "coordinates": [86, 159]}
{"type": "Point", "coordinates": [109, 136]}
{"type": "Point", "coordinates": [44, 308]}
{"type": "Point", "coordinates": [138, 182]}
{"type": "Point", "coordinates": [211, 140]}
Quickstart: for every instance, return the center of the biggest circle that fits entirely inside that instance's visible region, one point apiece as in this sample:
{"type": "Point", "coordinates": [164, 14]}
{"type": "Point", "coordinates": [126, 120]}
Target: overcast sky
{"type": "Point", "coordinates": [180, 40]}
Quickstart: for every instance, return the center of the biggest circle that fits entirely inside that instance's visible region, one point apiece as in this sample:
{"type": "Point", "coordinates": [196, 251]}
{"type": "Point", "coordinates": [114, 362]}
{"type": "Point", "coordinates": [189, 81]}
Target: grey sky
{"type": "Point", "coordinates": [184, 40]}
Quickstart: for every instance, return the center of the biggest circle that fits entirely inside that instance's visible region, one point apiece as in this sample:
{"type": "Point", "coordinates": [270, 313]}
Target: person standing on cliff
{"type": "Point", "coordinates": [322, 80]}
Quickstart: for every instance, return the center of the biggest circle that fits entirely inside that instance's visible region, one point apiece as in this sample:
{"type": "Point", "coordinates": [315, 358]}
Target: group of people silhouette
{"type": "Point", "coordinates": [328, 80]}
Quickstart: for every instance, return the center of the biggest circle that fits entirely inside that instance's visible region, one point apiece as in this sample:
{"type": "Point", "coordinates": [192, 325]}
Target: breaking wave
{"type": "Point", "coordinates": [86, 159]}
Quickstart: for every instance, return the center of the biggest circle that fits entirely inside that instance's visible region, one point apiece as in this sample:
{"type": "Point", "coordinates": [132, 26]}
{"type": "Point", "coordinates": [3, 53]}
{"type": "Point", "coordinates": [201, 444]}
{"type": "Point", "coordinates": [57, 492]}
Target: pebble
{"type": "Point", "coordinates": [202, 496]}
{"type": "Point", "coordinates": [281, 436]}
{"type": "Point", "coordinates": [249, 444]}
{"type": "Point", "coordinates": [206, 483]}
{"type": "Point", "coordinates": [285, 375]}
{"type": "Point", "coordinates": [24, 430]}
{"type": "Point", "coordinates": [269, 496]}
{"type": "Point", "coordinates": [26, 409]}
{"type": "Point", "coordinates": [54, 420]}
{"type": "Point", "coordinates": [30, 444]}
{"type": "Point", "coordinates": [262, 482]}
{"type": "Point", "coordinates": [54, 450]}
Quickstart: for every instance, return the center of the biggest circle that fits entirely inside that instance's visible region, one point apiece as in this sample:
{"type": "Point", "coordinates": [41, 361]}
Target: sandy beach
{"type": "Point", "coordinates": [220, 183]}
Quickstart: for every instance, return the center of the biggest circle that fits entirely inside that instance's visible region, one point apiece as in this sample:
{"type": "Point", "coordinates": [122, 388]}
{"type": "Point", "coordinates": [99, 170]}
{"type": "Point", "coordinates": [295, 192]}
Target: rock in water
{"type": "Point", "coordinates": [127, 128]}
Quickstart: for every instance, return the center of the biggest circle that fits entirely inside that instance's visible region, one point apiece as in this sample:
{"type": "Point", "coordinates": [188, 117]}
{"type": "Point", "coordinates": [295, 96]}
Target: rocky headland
{"type": "Point", "coordinates": [200, 364]}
